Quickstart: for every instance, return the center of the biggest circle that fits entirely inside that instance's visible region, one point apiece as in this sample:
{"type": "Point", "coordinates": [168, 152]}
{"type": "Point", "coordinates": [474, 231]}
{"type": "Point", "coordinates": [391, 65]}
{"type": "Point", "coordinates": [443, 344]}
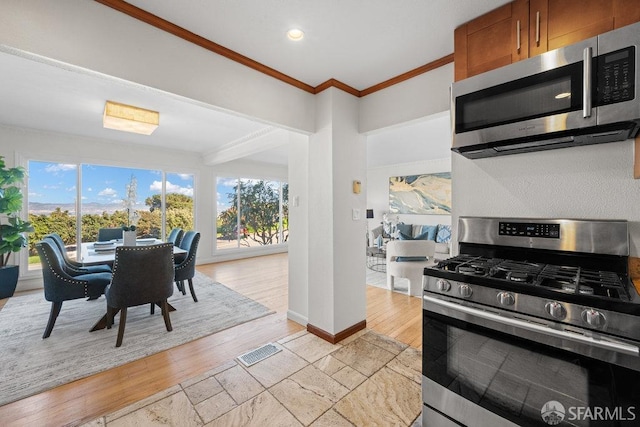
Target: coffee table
{"type": "Point", "coordinates": [377, 259]}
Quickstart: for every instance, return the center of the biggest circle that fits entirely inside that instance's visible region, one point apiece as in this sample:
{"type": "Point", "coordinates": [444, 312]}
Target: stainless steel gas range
{"type": "Point", "coordinates": [534, 323]}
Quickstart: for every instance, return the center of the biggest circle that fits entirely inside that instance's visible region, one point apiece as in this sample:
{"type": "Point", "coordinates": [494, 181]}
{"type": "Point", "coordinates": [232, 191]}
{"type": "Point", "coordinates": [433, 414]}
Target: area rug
{"type": "Point", "coordinates": [31, 365]}
{"type": "Point", "coordinates": [379, 280]}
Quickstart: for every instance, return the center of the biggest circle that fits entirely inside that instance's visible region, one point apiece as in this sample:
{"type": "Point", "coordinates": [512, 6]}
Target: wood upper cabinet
{"type": "Point", "coordinates": [569, 21]}
{"type": "Point", "coordinates": [490, 41]}
{"type": "Point", "coordinates": [497, 38]}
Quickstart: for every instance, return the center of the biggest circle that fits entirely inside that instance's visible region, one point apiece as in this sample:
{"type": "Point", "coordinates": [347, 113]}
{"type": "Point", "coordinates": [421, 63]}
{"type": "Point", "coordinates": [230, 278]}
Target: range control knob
{"type": "Point", "coordinates": [465, 291]}
{"type": "Point", "coordinates": [594, 318]}
{"type": "Point", "coordinates": [556, 310]}
{"type": "Point", "coordinates": [506, 298]}
{"type": "Point", "coordinates": [443, 285]}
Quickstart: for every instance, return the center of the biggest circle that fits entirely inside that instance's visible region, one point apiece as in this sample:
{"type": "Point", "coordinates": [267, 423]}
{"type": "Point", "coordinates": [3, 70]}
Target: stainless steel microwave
{"type": "Point", "coordinates": [586, 93]}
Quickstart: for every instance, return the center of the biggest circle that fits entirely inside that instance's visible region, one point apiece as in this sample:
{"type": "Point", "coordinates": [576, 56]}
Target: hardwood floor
{"type": "Point", "coordinates": [263, 279]}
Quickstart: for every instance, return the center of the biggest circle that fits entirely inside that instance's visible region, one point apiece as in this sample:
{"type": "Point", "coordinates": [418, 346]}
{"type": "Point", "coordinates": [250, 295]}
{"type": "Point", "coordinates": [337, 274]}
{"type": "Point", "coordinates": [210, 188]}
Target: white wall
{"type": "Point", "coordinates": [378, 190]}
{"type": "Point", "coordinates": [413, 99]}
{"type": "Point", "coordinates": [299, 198]}
{"type": "Point", "coordinates": [99, 38]}
{"type": "Point", "coordinates": [591, 182]}
{"type": "Point", "coordinates": [337, 155]}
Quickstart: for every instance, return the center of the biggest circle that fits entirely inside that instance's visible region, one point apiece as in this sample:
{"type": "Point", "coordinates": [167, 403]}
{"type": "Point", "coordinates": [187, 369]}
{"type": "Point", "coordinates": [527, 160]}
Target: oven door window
{"type": "Point", "coordinates": [515, 378]}
{"type": "Point", "coordinates": [551, 92]}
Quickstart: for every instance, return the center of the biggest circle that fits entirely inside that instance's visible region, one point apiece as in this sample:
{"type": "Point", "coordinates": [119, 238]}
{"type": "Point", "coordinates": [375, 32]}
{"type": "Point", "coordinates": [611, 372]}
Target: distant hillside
{"type": "Point", "coordinates": [87, 208]}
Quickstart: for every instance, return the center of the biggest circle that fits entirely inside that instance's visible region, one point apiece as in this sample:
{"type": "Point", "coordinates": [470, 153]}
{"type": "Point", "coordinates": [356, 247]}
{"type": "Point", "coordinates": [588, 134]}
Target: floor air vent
{"type": "Point", "coordinates": [259, 354]}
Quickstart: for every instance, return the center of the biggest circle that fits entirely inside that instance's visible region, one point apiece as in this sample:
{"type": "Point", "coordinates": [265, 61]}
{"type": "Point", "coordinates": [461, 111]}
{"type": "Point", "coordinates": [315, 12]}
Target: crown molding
{"type": "Point", "coordinates": [409, 75]}
{"type": "Point", "coordinates": [171, 28]}
{"type": "Point", "coordinates": [338, 85]}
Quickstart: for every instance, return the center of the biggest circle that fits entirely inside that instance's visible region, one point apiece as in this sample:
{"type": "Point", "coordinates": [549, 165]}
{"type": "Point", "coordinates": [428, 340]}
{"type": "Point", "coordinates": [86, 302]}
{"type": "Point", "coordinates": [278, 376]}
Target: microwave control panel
{"type": "Point", "coordinates": [548, 231]}
{"type": "Point", "coordinates": [616, 76]}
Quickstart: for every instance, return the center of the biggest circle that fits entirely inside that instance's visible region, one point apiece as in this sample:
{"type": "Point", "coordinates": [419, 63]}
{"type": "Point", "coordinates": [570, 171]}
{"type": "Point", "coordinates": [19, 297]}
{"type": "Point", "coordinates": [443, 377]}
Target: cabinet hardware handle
{"type": "Point", "coordinates": [518, 35]}
{"type": "Point", "coordinates": [538, 28]}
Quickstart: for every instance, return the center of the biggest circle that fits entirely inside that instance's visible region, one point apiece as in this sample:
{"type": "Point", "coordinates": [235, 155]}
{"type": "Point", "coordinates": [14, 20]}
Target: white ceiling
{"type": "Point", "coordinates": [358, 42]}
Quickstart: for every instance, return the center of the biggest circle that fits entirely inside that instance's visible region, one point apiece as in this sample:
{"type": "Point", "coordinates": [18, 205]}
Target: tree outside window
{"type": "Point", "coordinates": [251, 213]}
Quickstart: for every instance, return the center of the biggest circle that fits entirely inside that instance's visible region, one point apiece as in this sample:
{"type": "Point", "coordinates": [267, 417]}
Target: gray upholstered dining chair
{"type": "Point", "coordinates": [175, 236]}
{"type": "Point", "coordinates": [141, 275]}
{"type": "Point", "coordinates": [106, 234]}
{"type": "Point", "coordinates": [186, 268]}
{"type": "Point", "coordinates": [73, 267]}
{"type": "Point", "coordinates": [60, 286]}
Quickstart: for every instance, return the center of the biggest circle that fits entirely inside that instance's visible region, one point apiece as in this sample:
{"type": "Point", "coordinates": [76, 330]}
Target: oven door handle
{"type": "Point", "coordinates": [616, 346]}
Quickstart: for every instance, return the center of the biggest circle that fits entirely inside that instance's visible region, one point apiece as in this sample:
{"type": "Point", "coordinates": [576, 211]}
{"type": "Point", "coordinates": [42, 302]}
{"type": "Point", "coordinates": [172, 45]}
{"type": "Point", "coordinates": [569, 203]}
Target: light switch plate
{"type": "Point", "coordinates": [355, 214]}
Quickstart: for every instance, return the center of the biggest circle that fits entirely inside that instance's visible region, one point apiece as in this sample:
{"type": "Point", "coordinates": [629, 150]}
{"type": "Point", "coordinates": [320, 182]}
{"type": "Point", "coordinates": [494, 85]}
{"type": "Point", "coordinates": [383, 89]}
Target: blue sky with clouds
{"type": "Point", "coordinates": [56, 183]}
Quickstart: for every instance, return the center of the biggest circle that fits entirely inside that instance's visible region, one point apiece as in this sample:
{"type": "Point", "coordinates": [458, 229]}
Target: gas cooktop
{"type": "Point", "coordinates": [557, 278]}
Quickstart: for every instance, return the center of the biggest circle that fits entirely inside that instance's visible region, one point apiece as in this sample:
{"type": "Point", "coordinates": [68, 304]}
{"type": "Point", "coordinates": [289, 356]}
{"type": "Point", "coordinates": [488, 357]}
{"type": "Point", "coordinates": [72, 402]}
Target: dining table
{"type": "Point", "coordinates": [105, 253]}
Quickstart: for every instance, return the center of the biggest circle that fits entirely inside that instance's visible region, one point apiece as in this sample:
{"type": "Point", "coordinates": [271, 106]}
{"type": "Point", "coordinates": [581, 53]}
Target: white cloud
{"type": "Point", "coordinates": [108, 192]}
{"type": "Point", "coordinates": [60, 167]}
{"type": "Point", "coordinates": [228, 182]}
{"type": "Point", "coordinates": [171, 188]}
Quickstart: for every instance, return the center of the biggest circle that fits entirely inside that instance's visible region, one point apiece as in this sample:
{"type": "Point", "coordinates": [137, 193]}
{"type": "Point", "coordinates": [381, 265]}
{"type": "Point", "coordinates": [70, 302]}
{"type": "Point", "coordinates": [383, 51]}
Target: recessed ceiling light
{"type": "Point", "coordinates": [563, 95]}
{"type": "Point", "coordinates": [295, 34]}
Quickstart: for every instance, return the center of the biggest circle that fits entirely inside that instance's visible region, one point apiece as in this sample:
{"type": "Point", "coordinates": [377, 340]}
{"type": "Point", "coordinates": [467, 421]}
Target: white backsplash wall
{"type": "Point", "coordinates": [591, 182]}
{"type": "Point", "coordinates": [378, 190]}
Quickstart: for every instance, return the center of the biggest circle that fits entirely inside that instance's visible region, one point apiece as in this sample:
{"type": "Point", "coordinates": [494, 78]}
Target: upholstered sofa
{"type": "Point", "coordinates": [440, 233]}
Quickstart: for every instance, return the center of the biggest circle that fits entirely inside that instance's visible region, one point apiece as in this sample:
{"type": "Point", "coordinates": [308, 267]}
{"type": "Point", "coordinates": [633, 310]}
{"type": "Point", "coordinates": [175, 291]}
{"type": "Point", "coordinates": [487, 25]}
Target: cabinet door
{"type": "Point", "coordinates": [625, 12]}
{"type": "Point", "coordinates": [497, 38]}
{"type": "Point", "coordinates": [570, 21]}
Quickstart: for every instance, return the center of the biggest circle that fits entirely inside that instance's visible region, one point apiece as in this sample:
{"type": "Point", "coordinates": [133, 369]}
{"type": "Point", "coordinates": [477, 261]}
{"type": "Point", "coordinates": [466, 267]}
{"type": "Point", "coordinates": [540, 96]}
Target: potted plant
{"type": "Point", "coordinates": [12, 227]}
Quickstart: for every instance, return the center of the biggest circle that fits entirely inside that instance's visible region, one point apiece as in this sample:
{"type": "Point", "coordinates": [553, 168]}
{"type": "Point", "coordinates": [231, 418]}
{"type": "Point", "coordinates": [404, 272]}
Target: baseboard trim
{"type": "Point", "coordinates": [333, 339]}
{"type": "Point", "coordinates": [298, 318]}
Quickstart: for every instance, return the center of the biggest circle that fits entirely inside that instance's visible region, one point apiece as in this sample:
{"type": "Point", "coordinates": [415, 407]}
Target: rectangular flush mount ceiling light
{"type": "Point", "coordinates": [130, 119]}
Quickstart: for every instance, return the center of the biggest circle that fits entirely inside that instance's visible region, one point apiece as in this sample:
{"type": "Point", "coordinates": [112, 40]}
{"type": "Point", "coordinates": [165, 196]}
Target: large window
{"type": "Point", "coordinates": [52, 195]}
{"type": "Point", "coordinates": [109, 197]}
{"type": "Point", "coordinates": [251, 213]}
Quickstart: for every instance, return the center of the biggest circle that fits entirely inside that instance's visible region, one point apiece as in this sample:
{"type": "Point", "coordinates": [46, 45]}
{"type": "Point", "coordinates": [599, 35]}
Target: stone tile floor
{"type": "Point", "coordinates": [366, 380]}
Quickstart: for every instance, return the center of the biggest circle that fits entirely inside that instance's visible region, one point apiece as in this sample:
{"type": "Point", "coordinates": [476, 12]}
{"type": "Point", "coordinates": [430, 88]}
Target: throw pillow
{"type": "Point", "coordinates": [411, 258]}
{"type": "Point", "coordinates": [428, 232]}
{"type": "Point", "coordinates": [444, 234]}
{"type": "Point", "coordinates": [379, 241]}
{"type": "Point", "coordinates": [402, 236]}
{"type": "Point", "coordinates": [404, 228]}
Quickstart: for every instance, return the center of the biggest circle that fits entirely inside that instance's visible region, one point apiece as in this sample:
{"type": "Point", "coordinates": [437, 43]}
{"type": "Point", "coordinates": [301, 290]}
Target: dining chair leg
{"type": "Point", "coordinates": [123, 320]}
{"type": "Point", "coordinates": [193, 293]}
{"type": "Point", "coordinates": [182, 288]}
{"type": "Point", "coordinates": [153, 308]}
{"type": "Point", "coordinates": [53, 315]}
{"type": "Point", "coordinates": [110, 315]}
{"type": "Point", "coordinates": [165, 314]}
